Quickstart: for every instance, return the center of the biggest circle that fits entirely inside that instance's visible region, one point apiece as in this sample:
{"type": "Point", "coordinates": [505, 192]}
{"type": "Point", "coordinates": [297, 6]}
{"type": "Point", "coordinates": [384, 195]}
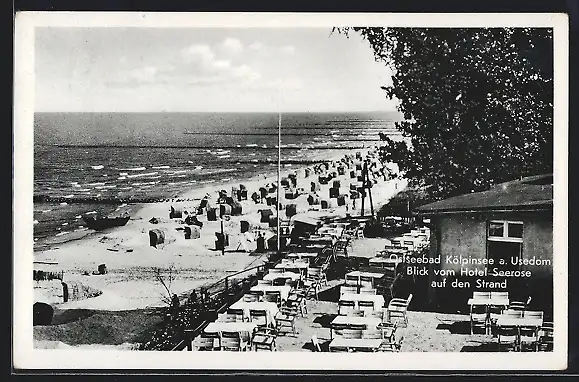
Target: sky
{"type": "Point", "coordinates": [115, 69]}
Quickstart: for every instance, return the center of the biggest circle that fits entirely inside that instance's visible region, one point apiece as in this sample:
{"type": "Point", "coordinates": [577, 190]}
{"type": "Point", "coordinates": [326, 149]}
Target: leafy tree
{"type": "Point", "coordinates": [477, 104]}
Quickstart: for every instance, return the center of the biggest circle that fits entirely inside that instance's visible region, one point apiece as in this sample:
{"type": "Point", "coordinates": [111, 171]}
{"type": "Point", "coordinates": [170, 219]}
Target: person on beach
{"type": "Point", "coordinates": [174, 306]}
{"type": "Point", "coordinates": [193, 298]}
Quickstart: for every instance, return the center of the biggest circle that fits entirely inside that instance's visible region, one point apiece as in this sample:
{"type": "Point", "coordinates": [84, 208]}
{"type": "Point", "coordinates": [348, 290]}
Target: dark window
{"type": "Point", "coordinates": [515, 230]}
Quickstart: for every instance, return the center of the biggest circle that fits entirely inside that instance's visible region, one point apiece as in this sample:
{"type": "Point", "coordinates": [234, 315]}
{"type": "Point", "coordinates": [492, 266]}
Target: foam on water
{"type": "Point", "coordinates": [140, 175]}
{"type": "Point", "coordinates": [195, 158]}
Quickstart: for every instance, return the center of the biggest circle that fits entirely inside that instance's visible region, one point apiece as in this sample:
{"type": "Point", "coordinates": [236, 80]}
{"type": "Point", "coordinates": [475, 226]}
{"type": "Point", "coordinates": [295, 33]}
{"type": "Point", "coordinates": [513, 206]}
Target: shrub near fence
{"type": "Point", "coordinates": [201, 307]}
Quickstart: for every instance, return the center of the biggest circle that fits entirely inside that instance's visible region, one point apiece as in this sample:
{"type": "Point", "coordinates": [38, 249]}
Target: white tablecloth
{"type": "Point", "coordinates": [374, 275]}
{"type": "Point", "coordinates": [370, 322]}
{"type": "Point", "coordinates": [288, 266]}
{"type": "Point", "coordinates": [284, 275]}
{"type": "Point", "coordinates": [512, 321]}
{"type": "Point", "coordinates": [245, 329]}
{"type": "Point", "coordinates": [383, 260]}
{"type": "Point", "coordinates": [283, 289]}
{"type": "Point", "coordinates": [270, 308]}
{"type": "Point", "coordinates": [300, 255]}
{"type": "Point", "coordinates": [355, 343]}
{"type": "Point", "coordinates": [330, 231]}
{"type": "Point", "coordinates": [489, 301]}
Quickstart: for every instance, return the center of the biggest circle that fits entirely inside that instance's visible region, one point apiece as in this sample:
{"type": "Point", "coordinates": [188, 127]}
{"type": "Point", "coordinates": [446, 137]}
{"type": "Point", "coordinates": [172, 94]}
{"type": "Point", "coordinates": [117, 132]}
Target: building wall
{"type": "Point", "coordinates": [462, 235]}
{"type": "Point", "coordinates": [538, 243]}
{"type": "Point", "coordinates": [465, 234]}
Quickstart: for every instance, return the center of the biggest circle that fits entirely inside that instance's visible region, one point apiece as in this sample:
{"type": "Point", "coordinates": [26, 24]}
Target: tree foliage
{"type": "Point", "coordinates": [477, 103]}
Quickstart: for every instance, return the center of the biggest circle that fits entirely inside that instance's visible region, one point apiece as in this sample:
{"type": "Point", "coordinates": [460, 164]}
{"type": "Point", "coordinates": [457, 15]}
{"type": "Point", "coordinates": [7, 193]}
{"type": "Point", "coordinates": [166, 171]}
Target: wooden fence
{"type": "Point", "coordinates": [228, 289]}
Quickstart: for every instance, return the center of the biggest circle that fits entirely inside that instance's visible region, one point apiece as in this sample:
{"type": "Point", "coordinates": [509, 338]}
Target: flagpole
{"type": "Point", "coordinates": [278, 178]}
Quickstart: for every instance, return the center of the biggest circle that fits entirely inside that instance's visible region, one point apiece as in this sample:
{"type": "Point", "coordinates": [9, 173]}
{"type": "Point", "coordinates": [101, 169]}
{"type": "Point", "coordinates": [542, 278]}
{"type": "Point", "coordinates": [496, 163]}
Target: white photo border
{"type": "Point", "coordinates": [26, 357]}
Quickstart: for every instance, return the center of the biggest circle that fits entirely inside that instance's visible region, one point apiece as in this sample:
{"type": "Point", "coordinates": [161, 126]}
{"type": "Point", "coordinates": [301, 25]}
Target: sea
{"type": "Point", "coordinates": [87, 163]}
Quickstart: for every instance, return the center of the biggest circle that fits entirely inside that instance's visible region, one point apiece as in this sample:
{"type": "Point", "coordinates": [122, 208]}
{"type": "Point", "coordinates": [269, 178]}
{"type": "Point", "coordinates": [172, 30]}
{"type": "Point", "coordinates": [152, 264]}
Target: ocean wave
{"type": "Point", "coordinates": [180, 176]}
{"type": "Point", "coordinates": [219, 171]}
{"type": "Point", "coordinates": [69, 196]}
{"type": "Point", "coordinates": [91, 212]}
{"type": "Point", "coordinates": [123, 173]}
{"type": "Point", "coordinates": [251, 145]}
{"type": "Point", "coordinates": [122, 178]}
{"type": "Point", "coordinates": [133, 169]}
{"type": "Point", "coordinates": [160, 167]}
{"type": "Point", "coordinates": [140, 175]}
{"type": "Point", "coordinates": [223, 156]}
{"type": "Point", "coordinates": [178, 172]}
{"type": "Point", "coordinates": [95, 184]}
{"type": "Point", "coordinates": [144, 183]}
{"type": "Point", "coordinates": [62, 233]}
{"type": "Point", "coordinates": [125, 188]}
{"type": "Point", "coordinates": [98, 167]}
{"type": "Point", "coordinates": [225, 179]}
{"type": "Point", "coordinates": [45, 211]}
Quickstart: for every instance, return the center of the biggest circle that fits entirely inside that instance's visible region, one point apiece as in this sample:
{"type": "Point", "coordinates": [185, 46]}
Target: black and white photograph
{"type": "Point", "coordinates": [358, 191]}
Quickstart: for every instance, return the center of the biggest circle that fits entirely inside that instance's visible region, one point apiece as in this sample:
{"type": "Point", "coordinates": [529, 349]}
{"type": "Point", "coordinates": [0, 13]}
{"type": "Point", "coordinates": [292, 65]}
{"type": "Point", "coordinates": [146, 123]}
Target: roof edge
{"type": "Point", "coordinates": [448, 211]}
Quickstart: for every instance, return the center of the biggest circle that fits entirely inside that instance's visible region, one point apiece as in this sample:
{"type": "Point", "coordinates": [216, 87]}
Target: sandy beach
{"type": "Point", "coordinates": [131, 262]}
